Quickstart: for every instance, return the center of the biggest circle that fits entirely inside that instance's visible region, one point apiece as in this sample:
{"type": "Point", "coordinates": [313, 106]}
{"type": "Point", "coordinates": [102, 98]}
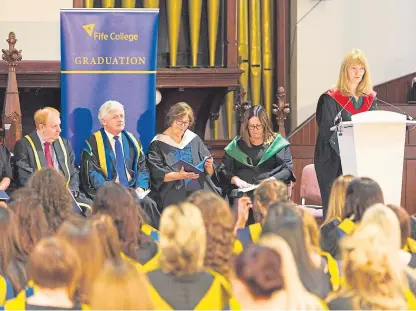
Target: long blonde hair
{"type": "Point", "coordinates": [370, 270]}
{"type": "Point", "coordinates": [337, 198]}
{"type": "Point", "coordinates": [354, 57]}
{"type": "Point", "coordinates": [294, 295]}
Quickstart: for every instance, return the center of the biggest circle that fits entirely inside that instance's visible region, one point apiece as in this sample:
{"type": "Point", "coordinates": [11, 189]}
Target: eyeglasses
{"type": "Point", "coordinates": [255, 127]}
{"type": "Point", "coordinates": [180, 123]}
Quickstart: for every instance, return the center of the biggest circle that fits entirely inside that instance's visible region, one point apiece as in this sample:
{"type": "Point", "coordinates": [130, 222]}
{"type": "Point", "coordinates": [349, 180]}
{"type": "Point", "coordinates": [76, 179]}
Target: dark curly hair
{"type": "Point", "coordinates": [219, 223]}
{"type": "Point", "coordinates": [30, 218]}
{"type": "Point", "coordinates": [114, 200]}
{"type": "Point", "coordinates": [260, 268]}
{"type": "Point", "coordinates": [50, 186]}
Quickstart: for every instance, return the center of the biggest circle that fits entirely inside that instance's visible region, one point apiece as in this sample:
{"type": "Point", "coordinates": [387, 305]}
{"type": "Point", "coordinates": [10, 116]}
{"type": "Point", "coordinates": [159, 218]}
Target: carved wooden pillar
{"type": "Point", "coordinates": [12, 116]}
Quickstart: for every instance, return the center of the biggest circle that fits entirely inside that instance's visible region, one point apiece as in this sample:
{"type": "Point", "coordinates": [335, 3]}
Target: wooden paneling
{"type": "Point", "coordinates": [395, 91]}
{"type": "Point", "coordinates": [409, 187]}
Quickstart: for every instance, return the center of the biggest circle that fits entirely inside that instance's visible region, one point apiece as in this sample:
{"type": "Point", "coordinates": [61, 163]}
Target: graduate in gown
{"type": "Point", "coordinates": [113, 154]}
{"type": "Point", "coordinates": [257, 155]}
{"type": "Point", "coordinates": [44, 147]}
{"type": "Point", "coordinates": [353, 94]}
{"type": "Point", "coordinates": [172, 183]}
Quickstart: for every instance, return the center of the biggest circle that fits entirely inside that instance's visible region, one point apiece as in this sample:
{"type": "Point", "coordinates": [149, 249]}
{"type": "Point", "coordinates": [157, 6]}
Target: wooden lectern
{"type": "Point", "coordinates": [372, 145]}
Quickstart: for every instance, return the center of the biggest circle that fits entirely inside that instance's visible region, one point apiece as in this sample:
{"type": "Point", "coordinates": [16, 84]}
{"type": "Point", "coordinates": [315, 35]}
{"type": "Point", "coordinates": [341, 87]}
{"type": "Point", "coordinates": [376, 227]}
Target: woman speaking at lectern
{"type": "Point", "coordinates": [353, 94]}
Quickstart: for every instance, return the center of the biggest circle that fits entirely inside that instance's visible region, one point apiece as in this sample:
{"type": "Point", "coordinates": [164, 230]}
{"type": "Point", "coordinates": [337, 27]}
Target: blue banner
{"type": "Point", "coordinates": [108, 54]}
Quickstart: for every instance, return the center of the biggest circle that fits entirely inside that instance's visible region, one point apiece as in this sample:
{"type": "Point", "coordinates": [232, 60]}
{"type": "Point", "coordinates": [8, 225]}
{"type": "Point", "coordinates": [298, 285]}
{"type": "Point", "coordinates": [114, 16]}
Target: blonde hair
{"type": "Point", "coordinates": [337, 198]}
{"type": "Point", "coordinates": [371, 270]}
{"type": "Point", "coordinates": [269, 192]}
{"type": "Point", "coordinates": [182, 239]}
{"type": "Point", "coordinates": [219, 225]}
{"type": "Point", "coordinates": [41, 116]}
{"type": "Point", "coordinates": [296, 297]}
{"type": "Point", "coordinates": [311, 230]}
{"type": "Point", "coordinates": [120, 286]}
{"type": "Point", "coordinates": [365, 86]}
{"type": "Point", "coordinates": [179, 110]}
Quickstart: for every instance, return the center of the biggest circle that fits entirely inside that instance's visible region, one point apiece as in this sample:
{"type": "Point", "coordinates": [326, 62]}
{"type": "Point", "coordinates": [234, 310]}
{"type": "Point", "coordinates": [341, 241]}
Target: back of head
{"type": "Point", "coordinates": [83, 236]}
{"type": "Point", "coordinates": [371, 271]}
{"type": "Point", "coordinates": [284, 221]}
{"type": "Point", "coordinates": [115, 201]}
{"type": "Point", "coordinates": [120, 286]}
{"type": "Point", "coordinates": [182, 239]}
{"type": "Point", "coordinates": [30, 218]}
{"type": "Point", "coordinates": [386, 219]}
{"type": "Point", "coordinates": [268, 192]}
{"type": "Point", "coordinates": [361, 193]}
{"type": "Point", "coordinates": [337, 197]}
{"type": "Point", "coordinates": [310, 227]}
{"type": "Point", "coordinates": [54, 264]}
{"type": "Point", "coordinates": [219, 224]}
{"type": "Point", "coordinates": [260, 269]}
{"type": "Point", "coordinates": [50, 186]}
{"type": "Point", "coordinates": [404, 222]}
{"type": "Point", "coordinates": [108, 235]}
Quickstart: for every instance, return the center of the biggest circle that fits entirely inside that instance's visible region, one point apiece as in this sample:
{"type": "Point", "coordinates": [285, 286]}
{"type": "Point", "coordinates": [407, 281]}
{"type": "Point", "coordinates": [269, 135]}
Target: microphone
{"type": "Point", "coordinates": [338, 116]}
{"type": "Point", "coordinates": [409, 117]}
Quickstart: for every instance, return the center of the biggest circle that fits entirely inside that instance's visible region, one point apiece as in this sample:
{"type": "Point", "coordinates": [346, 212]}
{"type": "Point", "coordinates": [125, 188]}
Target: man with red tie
{"type": "Point", "coordinates": [44, 147]}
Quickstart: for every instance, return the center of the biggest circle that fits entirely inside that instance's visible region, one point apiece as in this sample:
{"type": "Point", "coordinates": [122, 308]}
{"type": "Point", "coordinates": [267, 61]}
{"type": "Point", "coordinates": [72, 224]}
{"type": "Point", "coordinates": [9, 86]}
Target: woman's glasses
{"type": "Point", "coordinates": [255, 127]}
{"type": "Point", "coordinates": [180, 123]}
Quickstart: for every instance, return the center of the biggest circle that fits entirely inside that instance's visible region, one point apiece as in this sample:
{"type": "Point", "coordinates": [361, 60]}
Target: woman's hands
{"type": "Point", "coordinates": [180, 175]}
{"type": "Point", "coordinates": [239, 183]}
{"type": "Point", "coordinates": [209, 169]}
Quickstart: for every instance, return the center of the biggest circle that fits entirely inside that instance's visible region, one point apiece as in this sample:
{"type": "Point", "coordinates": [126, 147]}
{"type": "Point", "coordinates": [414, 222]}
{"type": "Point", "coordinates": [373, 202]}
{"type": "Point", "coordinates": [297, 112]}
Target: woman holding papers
{"type": "Point", "coordinates": [353, 94]}
{"type": "Point", "coordinates": [258, 154]}
{"type": "Point", "coordinates": [178, 160]}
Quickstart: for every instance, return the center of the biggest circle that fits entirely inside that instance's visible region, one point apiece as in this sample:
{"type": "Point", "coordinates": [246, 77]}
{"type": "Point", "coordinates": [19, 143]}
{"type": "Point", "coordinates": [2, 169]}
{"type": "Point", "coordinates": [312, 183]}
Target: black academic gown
{"type": "Point", "coordinates": [26, 163]}
{"type": "Point", "coordinates": [5, 164]}
{"type": "Point", "coordinates": [276, 162]}
{"type": "Point", "coordinates": [327, 160]}
{"type": "Point", "coordinates": [98, 167]}
{"type": "Point", "coordinates": [161, 160]}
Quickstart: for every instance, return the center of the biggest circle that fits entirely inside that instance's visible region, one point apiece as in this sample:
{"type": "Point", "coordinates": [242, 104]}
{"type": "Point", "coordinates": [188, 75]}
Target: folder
{"type": "Point", "coordinates": [4, 196]}
{"type": "Point", "coordinates": [192, 184]}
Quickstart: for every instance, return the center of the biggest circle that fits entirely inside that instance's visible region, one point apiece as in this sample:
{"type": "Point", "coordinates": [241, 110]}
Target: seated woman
{"type": "Point", "coordinates": [335, 206]}
{"type": "Point", "coordinates": [85, 239]}
{"type": "Point", "coordinates": [54, 266]}
{"type": "Point", "coordinates": [12, 258]}
{"type": "Point", "coordinates": [219, 224]}
{"type": "Point", "coordinates": [370, 270]}
{"type": "Point", "coordinates": [387, 220]}
{"type": "Point", "coordinates": [258, 154]}
{"type": "Point", "coordinates": [114, 200]}
{"type": "Point", "coordinates": [284, 220]}
{"type": "Point", "coordinates": [181, 283]}
{"type": "Point", "coordinates": [269, 192]}
{"type": "Point", "coordinates": [52, 190]}
{"type": "Point", "coordinates": [266, 278]}
{"type": "Point", "coordinates": [120, 286]}
{"type": "Point", "coordinates": [407, 243]}
{"type": "Point", "coordinates": [30, 218]}
{"type": "Point", "coordinates": [321, 259]}
{"type": "Point", "coordinates": [173, 184]}
{"type": "Point", "coordinates": [361, 193]}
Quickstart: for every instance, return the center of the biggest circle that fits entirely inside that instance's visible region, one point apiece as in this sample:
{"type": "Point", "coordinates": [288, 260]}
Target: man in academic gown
{"type": "Point", "coordinates": [327, 159]}
{"type": "Point", "coordinates": [44, 147]}
{"type": "Point", "coordinates": [113, 154]}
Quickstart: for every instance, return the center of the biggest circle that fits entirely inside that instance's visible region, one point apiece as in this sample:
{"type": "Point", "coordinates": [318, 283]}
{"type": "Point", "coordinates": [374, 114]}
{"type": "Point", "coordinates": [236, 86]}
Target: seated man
{"type": "Point", "coordinates": [45, 147]}
{"type": "Point", "coordinates": [113, 154]}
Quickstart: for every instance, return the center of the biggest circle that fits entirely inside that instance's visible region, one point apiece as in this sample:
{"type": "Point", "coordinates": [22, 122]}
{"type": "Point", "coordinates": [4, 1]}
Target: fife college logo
{"type": "Point", "coordinates": [112, 36]}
